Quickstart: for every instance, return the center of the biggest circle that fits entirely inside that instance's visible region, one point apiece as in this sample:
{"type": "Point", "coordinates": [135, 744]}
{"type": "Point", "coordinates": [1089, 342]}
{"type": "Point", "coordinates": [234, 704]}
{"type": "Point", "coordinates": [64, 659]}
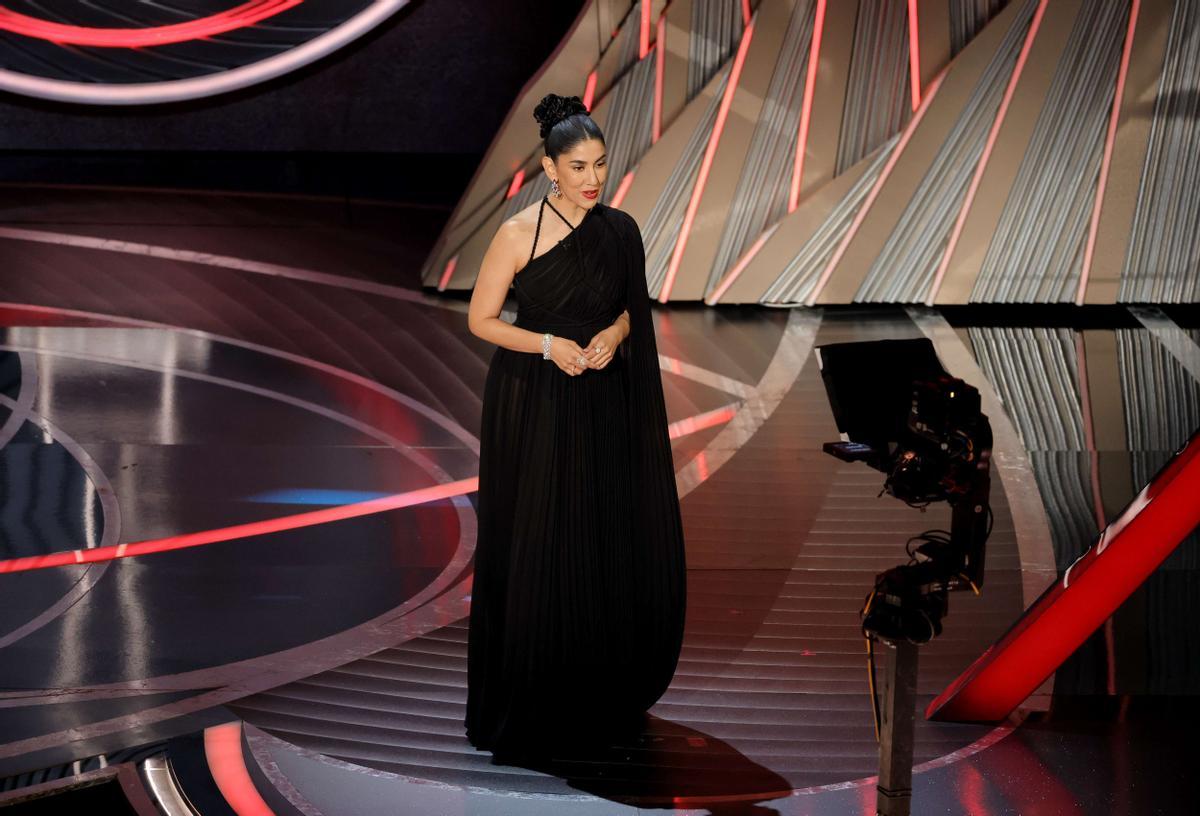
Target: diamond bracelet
{"type": "Point", "coordinates": [546, 338]}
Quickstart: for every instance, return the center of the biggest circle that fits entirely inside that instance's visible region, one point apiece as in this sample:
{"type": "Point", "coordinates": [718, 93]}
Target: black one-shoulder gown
{"type": "Point", "coordinates": [579, 590]}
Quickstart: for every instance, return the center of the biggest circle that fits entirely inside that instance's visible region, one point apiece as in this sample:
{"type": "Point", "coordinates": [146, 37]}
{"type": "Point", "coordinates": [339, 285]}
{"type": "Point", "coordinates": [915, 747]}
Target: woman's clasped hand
{"type": "Point", "coordinates": [573, 360]}
{"type": "Point", "coordinates": [603, 346]}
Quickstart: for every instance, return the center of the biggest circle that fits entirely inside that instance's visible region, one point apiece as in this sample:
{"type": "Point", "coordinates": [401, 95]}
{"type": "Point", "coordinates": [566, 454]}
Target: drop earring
{"type": "Point", "coordinates": [554, 188]}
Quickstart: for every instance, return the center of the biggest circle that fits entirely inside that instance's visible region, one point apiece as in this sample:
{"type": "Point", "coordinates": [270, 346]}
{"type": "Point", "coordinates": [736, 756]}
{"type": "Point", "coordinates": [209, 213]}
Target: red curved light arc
{"type": "Point", "coordinates": [297, 521]}
{"type": "Point", "coordinates": [247, 14]}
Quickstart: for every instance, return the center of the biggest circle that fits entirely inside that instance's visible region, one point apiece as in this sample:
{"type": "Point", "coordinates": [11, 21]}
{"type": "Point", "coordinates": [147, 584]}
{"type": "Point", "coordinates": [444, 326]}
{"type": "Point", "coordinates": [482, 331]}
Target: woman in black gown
{"type": "Point", "coordinates": [579, 591]}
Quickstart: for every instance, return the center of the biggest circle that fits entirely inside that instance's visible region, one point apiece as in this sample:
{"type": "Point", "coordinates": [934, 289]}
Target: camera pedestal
{"type": "Point", "coordinates": [901, 413]}
{"type": "Point", "coordinates": [894, 791]}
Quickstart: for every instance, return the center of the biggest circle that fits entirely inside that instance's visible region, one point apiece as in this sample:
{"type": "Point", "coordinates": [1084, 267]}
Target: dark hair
{"type": "Point", "coordinates": [564, 123]}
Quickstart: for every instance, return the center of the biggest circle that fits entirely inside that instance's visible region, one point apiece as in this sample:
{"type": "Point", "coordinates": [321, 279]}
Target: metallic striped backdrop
{"type": "Point", "coordinates": [1004, 213]}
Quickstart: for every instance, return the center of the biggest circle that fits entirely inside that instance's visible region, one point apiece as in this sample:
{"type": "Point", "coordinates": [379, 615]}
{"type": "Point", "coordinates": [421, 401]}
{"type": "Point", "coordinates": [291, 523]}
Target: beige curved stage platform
{"type": "Point", "coordinates": [803, 152]}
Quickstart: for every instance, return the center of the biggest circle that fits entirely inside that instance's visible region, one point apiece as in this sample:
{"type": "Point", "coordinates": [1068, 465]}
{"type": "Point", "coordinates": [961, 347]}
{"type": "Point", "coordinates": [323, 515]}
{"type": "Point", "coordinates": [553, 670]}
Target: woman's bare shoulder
{"type": "Point", "coordinates": [519, 227]}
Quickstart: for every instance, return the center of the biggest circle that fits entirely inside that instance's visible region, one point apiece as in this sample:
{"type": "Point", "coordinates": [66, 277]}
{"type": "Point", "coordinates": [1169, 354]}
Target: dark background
{"type": "Point", "coordinates": [404, 113]}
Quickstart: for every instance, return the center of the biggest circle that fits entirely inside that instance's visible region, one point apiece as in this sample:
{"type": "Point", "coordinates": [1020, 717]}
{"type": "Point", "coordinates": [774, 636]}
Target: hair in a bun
{"type": "Point", "coordinates": [564, 122]}
{"type": "Point", "coordinates": [554, 108]}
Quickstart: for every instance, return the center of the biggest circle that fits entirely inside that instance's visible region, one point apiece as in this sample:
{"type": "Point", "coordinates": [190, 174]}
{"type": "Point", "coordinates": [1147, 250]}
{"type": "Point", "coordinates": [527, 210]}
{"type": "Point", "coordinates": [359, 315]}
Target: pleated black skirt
{"type": "Point", "coordinates": [552, 624]}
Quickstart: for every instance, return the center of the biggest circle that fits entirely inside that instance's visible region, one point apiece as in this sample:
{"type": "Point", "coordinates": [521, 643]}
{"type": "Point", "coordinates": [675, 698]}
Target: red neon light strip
{"type": "Point", "coordinates": [447, 273]}
{"type": "Point", "coordinates": [699, 422]}
{"type": "Point", "coordinates": [745, 12]}
{"type": "Point", "coordinates": [710, 152]}
{"type": "Point", "coordinates": [981, 166]}
{"type": "Point", "coordinates": [861, 215]}
{"type": "Point", "coordinates": [1058, 623]}
{"type": "Point", "coordinates": [810, 85]}
{"type": "Point", "coordinates": [644, 31]}
{"type": "Point", "coordinates": [719, 290]}
{"type": "Point", "coordinates": [914, 55]}
{"type": "Point", "coordinates": [622, 189]}
{"type": "Point", "coordinates": [589, 90]}
{"type": "Point", "coordinates": [241, 16]}
{"type": "Point", "coordinates": [513, 186]}
{"type": "Point", "coordinates": [227, 764]}
{"type": "Point", "coordinates": [1109, 140]}
{"type": "Point", "coordinates": [254, 528]}
{"type": "Point", "coordinates": [660, 44]}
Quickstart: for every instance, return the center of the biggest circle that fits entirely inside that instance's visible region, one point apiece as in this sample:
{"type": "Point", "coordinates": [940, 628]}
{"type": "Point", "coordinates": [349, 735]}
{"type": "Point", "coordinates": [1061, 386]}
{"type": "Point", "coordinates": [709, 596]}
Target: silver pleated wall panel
{"type": "Point", "coordinates": [628, 39]}
{"type": "Point", "coordinates": [1162, 410]}
{"type": "Point", "coordinates": [798, 277]}
{"type": "Point", "coordinates": [878, 96]}
{"type": "Point", "coordinates": [629, 128]}
{"type": "Point", "coordinates": [1163, 263]}
{"type": "Point", "coordinates": [904, 269]}
{"type": "Point", "coordinates": [761, 196]}
{"type": "Point", "coordinates": [968, 17]}
{"type": "Point", "coordinates": [1036, 251]}
{"type": "Point", "coordinates": [661, 228]}
{"type": "Point", "coordinates": [716, 31]}
{"type": "Point", "coordinates": [1035, 373]}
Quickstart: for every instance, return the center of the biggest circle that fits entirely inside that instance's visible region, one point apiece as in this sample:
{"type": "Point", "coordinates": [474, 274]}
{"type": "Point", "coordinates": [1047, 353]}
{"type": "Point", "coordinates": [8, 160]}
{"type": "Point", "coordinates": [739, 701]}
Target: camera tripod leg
{"type": "Point", "coordinates": [896, 732]}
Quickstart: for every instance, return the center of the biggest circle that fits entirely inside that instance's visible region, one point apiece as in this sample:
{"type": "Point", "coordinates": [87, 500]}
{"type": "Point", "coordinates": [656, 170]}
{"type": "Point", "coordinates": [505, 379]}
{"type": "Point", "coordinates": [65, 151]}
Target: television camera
{"type": "Point", "coordinates": [902, 414]}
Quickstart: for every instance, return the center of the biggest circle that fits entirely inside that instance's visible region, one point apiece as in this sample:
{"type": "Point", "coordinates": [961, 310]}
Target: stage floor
{"type": "Point", "coordinates": [257, 398]}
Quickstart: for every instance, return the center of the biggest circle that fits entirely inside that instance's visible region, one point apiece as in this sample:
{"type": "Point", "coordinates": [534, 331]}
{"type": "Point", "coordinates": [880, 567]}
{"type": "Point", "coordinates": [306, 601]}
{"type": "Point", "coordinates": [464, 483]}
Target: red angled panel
{"type": "Point", "coordinates": [1124, 555]}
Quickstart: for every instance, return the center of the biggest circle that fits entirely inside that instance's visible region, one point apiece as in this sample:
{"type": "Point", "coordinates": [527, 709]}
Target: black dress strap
{"type": "Point", "coordinates": [556, 212]}
{"type": "Point", "coordinates": [538, 228]}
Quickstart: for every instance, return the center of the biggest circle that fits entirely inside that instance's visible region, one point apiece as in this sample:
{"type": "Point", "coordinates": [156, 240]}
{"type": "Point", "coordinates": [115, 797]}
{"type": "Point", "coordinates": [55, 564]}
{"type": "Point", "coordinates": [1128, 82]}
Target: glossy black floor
{"type": "Point", "coordinates": [217, 378]}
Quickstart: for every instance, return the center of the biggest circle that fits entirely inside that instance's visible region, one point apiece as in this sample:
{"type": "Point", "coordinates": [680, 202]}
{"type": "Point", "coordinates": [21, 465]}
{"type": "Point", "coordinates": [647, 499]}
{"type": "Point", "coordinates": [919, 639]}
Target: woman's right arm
{"type": "Point", "coordinates": [491, 288]}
